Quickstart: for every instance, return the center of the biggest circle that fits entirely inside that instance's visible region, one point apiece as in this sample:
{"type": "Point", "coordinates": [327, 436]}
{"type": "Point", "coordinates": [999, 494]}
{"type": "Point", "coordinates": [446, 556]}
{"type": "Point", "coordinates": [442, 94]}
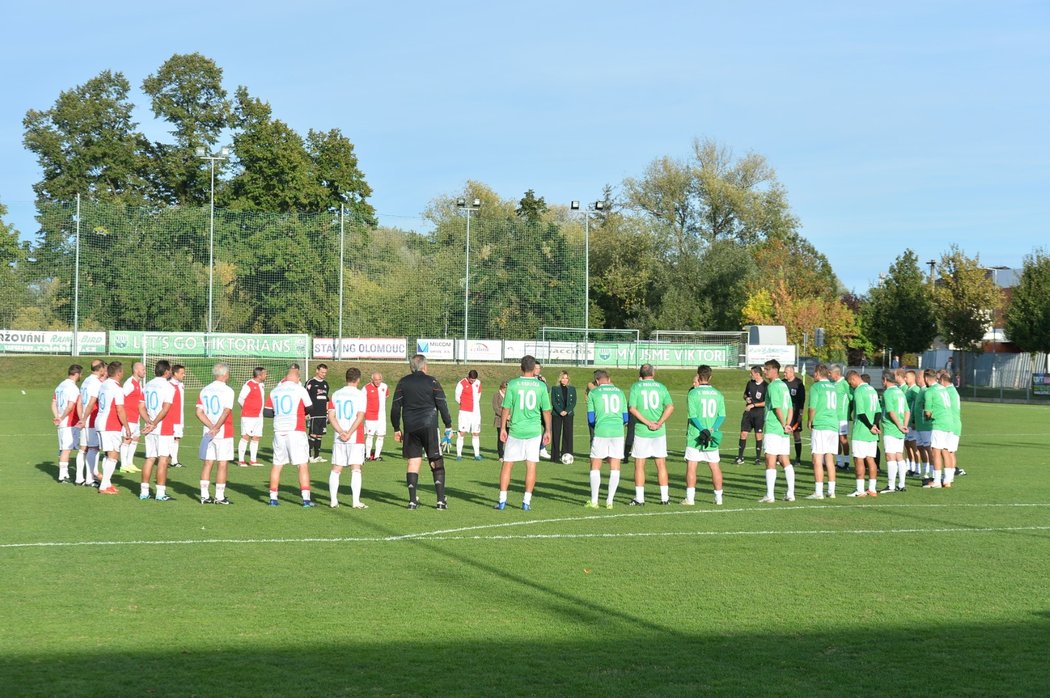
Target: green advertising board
{"type": "Point", "coordinates": [618, 354]}
{"type": "Point", "coordinates": [277, 346]}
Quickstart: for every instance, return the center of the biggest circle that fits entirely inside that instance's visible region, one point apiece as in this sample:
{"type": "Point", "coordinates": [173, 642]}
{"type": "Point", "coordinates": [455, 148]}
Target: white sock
{"type": "Point", "coordinates": [927, 469]}
{"type": "Point", "coordinates": [92, 462]}
{"type": "Point", "coordinates": [161, 490]}
{"type": "Point", "coordinates": [789, 473]}
{"type": "Point", "coordinates": [639, 494]}
{"type": "Point", "coordinates": [690, 494]}
{"type": "Point", "coordinates": [860, 484]}
{"type": "Point", "coordinates": [771, 481]}
{"type": "Point", "coordinates": [253, 450]}
{"type": "Point", "coordinates": [459, 446]}
{"type": "Point", "coordinates": [891, 466]}
{"type": "Point", "coordinates": [273, 494]}
{"type": "Point", "coordinates": [379, 445]}
{"type": "Point", "coordinates": [502, 496]}
{"type": "Point", "coordinates": [831, 488]}
{"type": "Point", "coordinates": [333, 487]}
{"type": "Point", "coordinates": [305, 494]}
{"type": "Point", "coordinates": [901, 474]}
{"type": "Point", "coordinates": [369, 438]}
{"type": "Point", "coordinates": [355, 485]}
{"type": "Point", "coordinates": [938, 475]}
{"type": "Point", "coordinates": [144, 489]}
{"type": "Point", "coordinates": [949, 475]}
{"type": "Point", "coordinates": [220, 490]}
{"type": "Point", "coordinates": [819, 488]}
{"type": "Point", "coordinates": [475, 441]}
{"type": "Point", "coordinates": [204, 488]}
{"type": "Point", "coordinates": [175, 450]}
{"type": "Point", "coordinates": [614, 482]}
{"type": "Point", "coordinates": [242, 447]}
{"type": "Point", "coordinates": [108, 466]}
{"type": "Point", "coordinates": [665, 492]}
{"type": "Point", "coordinates": [80, 466]}
{"type": "Point", "coordinates": [526, 498]}
{"type": "Point", "coordinates": [718, 496]}
{"type": "Point", "coordinates": [596, 483]}
{"type": "Point", "coordinates": [63, 470]}
{"type": "Point", "coordinates": [873, 483]}
{"type": "Point", "coordinates": [123, 451]}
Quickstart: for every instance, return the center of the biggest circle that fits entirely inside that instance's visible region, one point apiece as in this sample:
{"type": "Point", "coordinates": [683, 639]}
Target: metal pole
{"type": "Point", "coordinates": [76, 286]}
{"type": "Point", "coordinates": [586, 284]}
{"type": "Point", "coordinates": [211, 249]}
{"type": "Point", "coordinates": [342, 252]}
{"type": "Point", "coordinates": [466, 294]}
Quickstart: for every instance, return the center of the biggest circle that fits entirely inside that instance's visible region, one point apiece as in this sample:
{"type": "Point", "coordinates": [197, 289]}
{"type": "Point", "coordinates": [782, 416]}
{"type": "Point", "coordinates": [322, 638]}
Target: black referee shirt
{"type": "Point", "coordinates": [755, 393]}
{"type": "Point", "coordinates": [419, 398]}
{"type": "Point", "coordinates": [798, 393]}
{"type": "Point", "coordinates": [318, 390]}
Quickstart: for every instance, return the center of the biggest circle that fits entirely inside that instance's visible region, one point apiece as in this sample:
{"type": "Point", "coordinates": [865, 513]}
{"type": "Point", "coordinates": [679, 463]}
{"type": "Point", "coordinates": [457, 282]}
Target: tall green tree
{"type": "Point", "coordinates": [340, 178]}
{"type": "Point", "coordinates": [1028, 314]}
{"type": "Point", "coordinates": [531, 208]}
{"type": "Point", "coordinates": [13, 254]}
{"type": "Point", "coordinates": [900, 312]}
{"type": "Point", "coordinates": [965, 298]}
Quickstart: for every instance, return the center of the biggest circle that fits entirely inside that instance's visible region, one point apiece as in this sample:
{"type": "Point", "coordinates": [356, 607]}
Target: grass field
{"type": "Point", "coordinates": [926, 592]}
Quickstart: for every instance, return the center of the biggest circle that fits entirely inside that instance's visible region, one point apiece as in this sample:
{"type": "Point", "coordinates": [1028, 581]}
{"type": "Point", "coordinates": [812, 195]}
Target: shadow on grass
{"type": "Point", "coordinates": [972, 659]}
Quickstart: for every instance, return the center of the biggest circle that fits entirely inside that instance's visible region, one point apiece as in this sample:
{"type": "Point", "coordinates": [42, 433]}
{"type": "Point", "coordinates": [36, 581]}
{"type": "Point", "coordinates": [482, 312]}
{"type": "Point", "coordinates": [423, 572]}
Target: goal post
{"type": "Point", "coordinates": [731, 344]}
{"type": "Point", "coordinates": [579, 346]}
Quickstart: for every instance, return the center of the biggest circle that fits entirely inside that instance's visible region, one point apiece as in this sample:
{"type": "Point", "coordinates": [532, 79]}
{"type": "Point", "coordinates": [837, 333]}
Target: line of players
{"type": "Point", "coordinates": [108, 415]}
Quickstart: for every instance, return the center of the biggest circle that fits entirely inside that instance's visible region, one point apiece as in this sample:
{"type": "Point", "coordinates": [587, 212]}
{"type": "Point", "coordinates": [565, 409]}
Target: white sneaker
{"type": "Point", "coordinates": [862, 493]}
{"type": "Point", "coordinates": [789, 498]}
{"type": "Point", "coordinates": [767, 500]}
{"type": "Point", "coordinates": [815, 496]}
{"type": "Point", "coordinates": [359, 505]}
{"type": "Point", "coordinates": [545, 454]}
{"type": "Point", "coordinates": [688, 503]}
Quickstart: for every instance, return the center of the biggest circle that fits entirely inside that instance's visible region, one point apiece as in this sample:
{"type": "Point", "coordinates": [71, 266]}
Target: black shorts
{"type": "Point", "coordinates": [415, 443]}
{"type": "Point", "coordinates": [753, 420]}
{"type": "Point", "coordinates": [796, 421]}
{"type": "Point", "coordinates": [319, 425]}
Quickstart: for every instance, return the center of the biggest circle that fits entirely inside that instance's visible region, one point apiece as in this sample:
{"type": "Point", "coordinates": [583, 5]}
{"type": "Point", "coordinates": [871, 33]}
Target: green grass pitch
{"type": "Point", "coordinates": [926, 592]}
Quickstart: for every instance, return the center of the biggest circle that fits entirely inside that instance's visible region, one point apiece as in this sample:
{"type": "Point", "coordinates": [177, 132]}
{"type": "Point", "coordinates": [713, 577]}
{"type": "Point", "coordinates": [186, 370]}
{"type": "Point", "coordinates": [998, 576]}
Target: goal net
{"type": "Point", "coordinates": [577, 345]}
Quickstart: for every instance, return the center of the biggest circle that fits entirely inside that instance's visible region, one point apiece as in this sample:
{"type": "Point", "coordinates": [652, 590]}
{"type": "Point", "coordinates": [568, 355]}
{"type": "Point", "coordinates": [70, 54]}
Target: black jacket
{"type": "Point", "coordinates": [419, 398]}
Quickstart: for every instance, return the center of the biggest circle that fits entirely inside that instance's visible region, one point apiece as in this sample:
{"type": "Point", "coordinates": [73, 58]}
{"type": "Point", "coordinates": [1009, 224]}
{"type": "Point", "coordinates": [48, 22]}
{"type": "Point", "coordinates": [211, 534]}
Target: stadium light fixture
{"type": "Point", "coordinates": [474, 206]}
{"type": "Point", "coordinates": [202, 153]}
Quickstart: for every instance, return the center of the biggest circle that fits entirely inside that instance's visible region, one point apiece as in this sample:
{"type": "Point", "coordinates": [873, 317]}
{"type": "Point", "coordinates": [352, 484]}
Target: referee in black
{"type": "Point", "coordinates": [754, 417]}
{"type": "Point", "coordinates": [797, 388]}
{"type": "Point", "coordinates": [318, 389]}
{"type": "Point", "coordinates": [419, 398]}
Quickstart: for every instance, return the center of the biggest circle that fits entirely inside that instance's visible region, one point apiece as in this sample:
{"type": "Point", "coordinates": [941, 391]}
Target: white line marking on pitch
{"type": "Point", "coordinates": [449, 534]}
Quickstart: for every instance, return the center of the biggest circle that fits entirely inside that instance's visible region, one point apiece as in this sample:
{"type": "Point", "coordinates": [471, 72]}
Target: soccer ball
{"type": "Point", "coordinates": [567, 459]}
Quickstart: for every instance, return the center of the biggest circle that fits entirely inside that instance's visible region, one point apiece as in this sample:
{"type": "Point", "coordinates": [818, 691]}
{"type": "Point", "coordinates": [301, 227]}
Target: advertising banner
{"type": "Point", "coordinates": [1041, 384]}
{"type": "Point", "coordinates": [550, 352]}
{"type": "Point", "coordinates": [361, 348]}
{"type": "Point", "coordinates": [50, 342]}
{"type": "Point", "coordinates": [666, 354]}
{"type": "Point", "coordinates": [277, 346]}
{"type": "Point", "coordinates": [761, 353]}
{"type": "Point", "coordinates": [437, 349]}
{"type": "Point", "coordinates": [480, 350]}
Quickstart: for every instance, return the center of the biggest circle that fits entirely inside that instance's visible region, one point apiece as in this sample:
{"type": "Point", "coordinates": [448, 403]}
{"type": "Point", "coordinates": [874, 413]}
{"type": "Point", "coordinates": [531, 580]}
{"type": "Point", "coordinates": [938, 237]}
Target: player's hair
{"type": "Point", "coordinates": [945, 375]}
{"type": "Point", "coordinates": [97, 364]}
{"type": "Point", "coordinates": [75, 370]}
{"type": "Point", "coordinates": [220, 369]}
{"type": "Point", "coordinates": [793, 367]}
{"type": "Point", "coordinates": [850, 373]}
{"type": "Point", "coordinates": [756, 369]}
{"type": "Point", "coordinates": [899, 374]}
{"type": "Point", "coordinates": [772, 363]}
{"type": "Point", "coordinates": [821, 370]}
{"type": "Point", "coordinates": [417, 363]}
{"type": "Point", "coordinates": [930, 375]}
{"type": "Point", "coordinates": [472, 373]}
{"type": "Point", "coordinates": [353, 375]}
{"type": "Point", "coordinates": [890, 376]}
{"type": "Point", "coordinates": [377, 373]}
{"type": "Point", "coordinates": [866, 377]}
{"type": "Point", "coordinates": [114, 368]}
{"type": "Point", "coordinates": [835, 368]}
{"type": "Point", "coordinates": [703, 372]}
{"type": "Point", "coordinates": [528, 363]}
{"type": "Point", "coordinates": [599, 374]}
{"type": "Point", "coordinates": [910, 372]}
{"type": "Point", "coordinates": [645, 371]}
{"type": "Point", "coordinates": [177, 367]}
{"type": "Point", "coordinates": [162, 367]}
{"type": "Point", "coordinates": [294, 366]}
{"type": "Point", "coordinates": [258, 371]}
{"type": "Point", "coordinates": [320, 366]}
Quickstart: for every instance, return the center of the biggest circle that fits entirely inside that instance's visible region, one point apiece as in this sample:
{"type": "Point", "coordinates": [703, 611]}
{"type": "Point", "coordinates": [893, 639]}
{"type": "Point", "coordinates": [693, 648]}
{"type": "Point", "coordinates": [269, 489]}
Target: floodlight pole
{"type": "Point", "coordinates": [596, 206]}
{"type": "Point", "coordinates": [475, 205]}
{"type": "Point", "coordinates": [76, 285]}
{"type": "Point", "coordinates": [342, 252]}
{"type": "Point", "coordinates": [221, 155]}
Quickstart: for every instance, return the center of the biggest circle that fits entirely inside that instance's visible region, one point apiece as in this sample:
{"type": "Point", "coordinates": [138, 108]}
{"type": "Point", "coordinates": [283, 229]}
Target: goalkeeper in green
{"type": "Point", "coordinates": [707, 411]}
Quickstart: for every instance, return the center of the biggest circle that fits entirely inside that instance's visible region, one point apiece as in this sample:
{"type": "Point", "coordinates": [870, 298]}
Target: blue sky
{"type": "Point", "coordinates": [891, 124]}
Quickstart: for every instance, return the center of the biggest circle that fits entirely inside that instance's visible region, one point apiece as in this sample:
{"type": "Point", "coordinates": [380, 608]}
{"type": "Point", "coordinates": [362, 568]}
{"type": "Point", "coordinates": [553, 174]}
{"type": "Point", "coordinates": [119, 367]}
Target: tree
{"type": "Point", "coordinates": [187, 92]}
{"type": "Point", "coordinates": [900, 313]}
{"type": "Point", "coordinates": [87, 143]}
{"type": "Point", "coordinates": [531, 208]}
{"type": "Point", "coordinates": [336, 171]}
{"type": "Point", "coordinates": [13, 254]}
{"type": "Point", "coordinates": [1028, 315]}
{"type": "Point", "coordinates": [965, 300]}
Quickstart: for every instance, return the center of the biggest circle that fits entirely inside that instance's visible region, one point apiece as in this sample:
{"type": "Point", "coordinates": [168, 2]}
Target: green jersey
{"type": "Point", "coordinates": [706, 406]}
{"type": "Point", "coordinates": [778, 397]}
{"type": "Point", "coordinates": [919, 413]}
{"type": "Point", "coordinates": [956, 410]}
{"type": "Point", "coordinates": [939, 405]}
{"type": "Point", "coordinates": [912, 394]}
{"type": "Point", "coordinates": [824, 401]}
{"type": "Point", "coordinates": [650, 399]}
{"type": "Point", "coordinates": [865, 404]}
{"type": "Point", "coordinates": [894, 400]}
{"type": "Point", "coordinates": [608, 405]}
{"type": "Point", "coordinates": [527, 399]}
{"type": "Point", "coordinates": [844, 397]}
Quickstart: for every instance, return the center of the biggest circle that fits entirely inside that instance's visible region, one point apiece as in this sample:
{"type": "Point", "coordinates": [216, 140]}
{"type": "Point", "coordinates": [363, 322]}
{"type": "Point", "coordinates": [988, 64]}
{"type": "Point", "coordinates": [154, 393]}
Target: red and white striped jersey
{"type": "Point", "coordinates": [213, 399]}
{"type": "Point", "coordinates": [375, 403]}
{"type": "Point", "coordinates": [344, 406]}
{"type": "Point", "coordinates": [132, 398]}
{"type": "Point", "coordinates": [178, 402]}
{"type": "Point", "coordinates": [110, 396]}
{"type": "Point", "coordinates": [157, 393]}
{"type": "Point", "coordinates": [89, 389]}
{"type": "Point", "coordinates": [252, 398]}
{"type": "Point", "coordinates": [67, 393]}
{"type": "Point", "coordinates": [468, 395]}
{"type": "Point", "coordinates": [290, 403]}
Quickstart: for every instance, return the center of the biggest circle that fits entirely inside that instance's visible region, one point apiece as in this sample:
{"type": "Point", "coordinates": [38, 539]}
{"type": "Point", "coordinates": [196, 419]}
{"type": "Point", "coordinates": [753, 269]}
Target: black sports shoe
{"type": "Point", "coordinates": [739, 460]}
{"type": "Point", "coordinates": [224, 500]}
{"type": "Point", "coordinates": [442, 505]}
{"type": "Point", "coordinates": [176, 465]}
{"type": "Point", "coordinates": [664, 502]}
{"type": "Point", "coordinates": [959, 472]}
{"type": "Point", "coordinates": [635, 503]}
{"type": "Point", "coordinates": [902, 489]}
{"type": "Point", "coordinates": [207, 500]}
{"type": "Point", "coordinates": [413, 505]}
{"type": "Point", "coordinates": [888, 489]}
{"type": "Point", "coordinates": [758, 460]}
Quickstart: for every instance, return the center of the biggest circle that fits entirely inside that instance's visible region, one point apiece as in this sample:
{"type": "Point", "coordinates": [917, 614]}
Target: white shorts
{"type": "Point", "coordinates": [375, 427]}
{"type": "Point", "coordinates": [649, 447]}
{"type": "Point", "coordinates": [695, 455]}
{"type": "Point", "coordinates": [607, 447]}
{"type": "Point", "coordinates": [158, 446]}
{"type": "Point", "coordinates": [823, 442]}
{"type": "Point", "coordinates": [940, 439]}
{"type": "Point", "coordinates": [136, 430]}
{"type": "Point", "coordinates": [178, 429]}
{"type": "Point", "coordinates": [251, 426]}
{"type": "Point", "coordinates": [68, 438]}
{"type": "Point", "coordinates": [220, 450]}
{"type": "Point", "coordinates": [776, 444]}
{"type": "Point", "coordinates": [291, 447]}
{"type": "Point", "coordinates": [346, 453]}
{"type": "Point", "coordinates": [924, 438]}
{"type": "Point", "coordinates": [912, 435]}
{"type": "Point", "coordinates": [89, 437]}
{"type": "Point", "coordinates": [469, 422]}
{"type": "Point", "coordinates": [863, 449]}
{"type": "Point", "coordinates": [892, 444]}
{"type": "Point", "coordinates": [522, 449]}
{"type": "Point", "coordinates": [110, 440]}
{"type": "Point", "coordinates": [953, 443]}
{"type": "Point", "coordinates": [843, 427]}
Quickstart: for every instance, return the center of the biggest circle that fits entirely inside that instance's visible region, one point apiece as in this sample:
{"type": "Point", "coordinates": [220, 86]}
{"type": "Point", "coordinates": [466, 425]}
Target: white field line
{"type": "Point", "coordinates": [454, 533]}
